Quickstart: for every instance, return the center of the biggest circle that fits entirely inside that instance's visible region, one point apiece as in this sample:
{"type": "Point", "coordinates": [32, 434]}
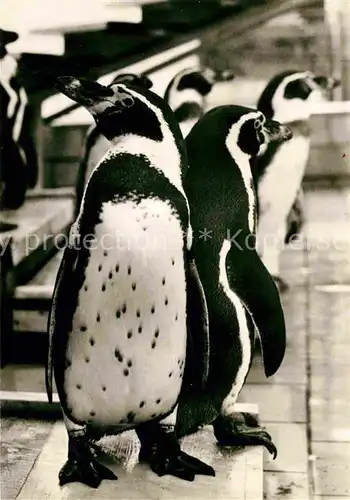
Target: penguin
{"type": "Point", "coordinates": [118, 321]}
{"type": "Point", "coordinates": [96, 144]}
{"type": "Point", "coordinates": [239, 291]}
{"type": "Point", "coordinates": [186, 93]}
{"type": "Point", "coordinates": [18, 151]}
{"type": "Point", "coordinates": [288, 98]}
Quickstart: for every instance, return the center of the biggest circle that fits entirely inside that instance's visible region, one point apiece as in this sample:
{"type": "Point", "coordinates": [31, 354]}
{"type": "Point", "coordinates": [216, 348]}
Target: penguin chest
{"type": "Point", "coordinates": [279, 186]}
{"type": "Point", "coordinates": [126, 351]}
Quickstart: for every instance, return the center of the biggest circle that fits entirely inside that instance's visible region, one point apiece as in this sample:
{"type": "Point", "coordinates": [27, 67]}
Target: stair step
{"type": "Point", "coordinates": [239, 472]}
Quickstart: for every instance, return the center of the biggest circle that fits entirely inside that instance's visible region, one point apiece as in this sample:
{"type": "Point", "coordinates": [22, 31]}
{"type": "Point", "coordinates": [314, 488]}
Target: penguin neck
{"type": "Point", "coordinates": [163, 155]}
{"type": "Point", "coordinates": [242, 161]}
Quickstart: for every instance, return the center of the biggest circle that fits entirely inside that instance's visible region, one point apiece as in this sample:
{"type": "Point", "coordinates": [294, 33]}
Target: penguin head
{"type": "Point", "coordinates": [132, 79]}
{"type": "Point", "coordinates": [118, 109]}
{"type": "Point", "coordinates": [291, 95]}
{"type": "Point", "coordinates": [249, 129]}
{"type": "Point", "coordinates": [6, 37]}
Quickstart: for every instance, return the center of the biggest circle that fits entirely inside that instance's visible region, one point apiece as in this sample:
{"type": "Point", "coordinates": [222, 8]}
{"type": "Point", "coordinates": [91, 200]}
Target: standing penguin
{"type": "Point", "coordinates": [117, 326]}
{"type": "Point", "coordinates": [96, 144]}
{"type": "Point", "coordinates": [19, 163]}
{"type": "Point", "coordinates": [240, 292]}
{"type": "Point", "coordinates": [280, 168]}
{"type": "Point", "coordinates": [187, 91]}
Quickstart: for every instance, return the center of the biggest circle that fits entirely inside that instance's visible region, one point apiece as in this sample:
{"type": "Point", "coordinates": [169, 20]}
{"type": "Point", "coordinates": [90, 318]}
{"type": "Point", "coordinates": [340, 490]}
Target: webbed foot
{"type": "Point", "coordinates": [82, 467]}
{"type": "Point", "coordinates": [160, 448]}
{"type": "Point", "coordinates": [242, 429]}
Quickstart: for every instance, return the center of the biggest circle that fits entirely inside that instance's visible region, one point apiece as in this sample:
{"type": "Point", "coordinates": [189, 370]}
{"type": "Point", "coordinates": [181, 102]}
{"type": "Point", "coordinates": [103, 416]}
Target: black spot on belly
{"type": "Point", "coordinates": [153, 345]}
{"type": "Point", "coordinates": [103, 287]}
{"type": "Point", "coordinates": [145, 215]}
{"type": "Point", "coordinates": [144, 229]}
{"type": "Point", "coordinates": [118, 355]}
{"type": "Point", "coordinates": [129, 334]}
{"type": "Point", "coordinates": [98, 318]}
{"type": "Point", "coordinates": [92, 413]}
{"type": "Point", "coordinates": [92, 341]}
{"type": "Point", "coordinates": [110, 276]}
{"type": "Point", "coordinates": [124, 308]}
{"type": "Point", "coordinates": [166, 301]}
{"type": "Point", "coordinates": [133, 286]}
{"type": "Point", "coordinates": [172, 262]}
{"type": "Point", "coordinates": [85, 288]}
{"type": "Point", "coordinates": [142, 404]}
{"type": "Point", "coordinates": [158, 401]}
{"type": "Point", "coordinates": [153, 309]}
{"type": "Point", "coordinates": [138, 313]}
{"type": "Point", "coordinates": [68, 363]}
{"type": "Point", "coordinates": [105, 253]}
{"type": "Point", "coordinates": [126, 372]}
{"type": "Point", "coordinates": [129, 270]}
{"type": "Point", "coordinates": [170, 374]}
{"type": "Point", "coordinates": [118, 313]}
{"type": "Point", "coordinates": [153, 415]}
{"type": "Point", "coordinates": [100, 268]}
{"type": "Point", "coordinates": [78, 386]}
{"type": "Point", "coordinates": [130, 416]}
{"type": "Point", "coordinates": [163, 281]}
{"type": "Point", "coordinates": [156, 333]}
{"type": "Point", "coordinates": [83, 328]}
{"type": "Point", "coordinates": [104, 388]}
{"type": "Point", "coordinates": [139, 329]}
{"type": "Point", "coordinates": [117, 268]}
{"type": "Point", "coordinates": [176, 317]}
{"type": "Point", "coordinates": [87, 360]}
{"type": "Point", "coordinates": [129, 363]}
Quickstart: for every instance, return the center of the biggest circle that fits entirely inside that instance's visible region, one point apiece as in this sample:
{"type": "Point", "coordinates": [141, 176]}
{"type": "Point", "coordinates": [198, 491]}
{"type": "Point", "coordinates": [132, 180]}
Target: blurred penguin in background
{"type": "Point", "coordinates": [19, 165]}
{"type": "Point", "coordinates": [289, 98]}
{"type": "Point", "coordinates": [187, 91]}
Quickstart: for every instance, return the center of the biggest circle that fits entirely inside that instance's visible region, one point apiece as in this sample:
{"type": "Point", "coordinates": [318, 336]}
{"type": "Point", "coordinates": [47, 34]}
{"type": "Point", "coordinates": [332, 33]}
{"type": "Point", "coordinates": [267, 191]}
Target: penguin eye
{"type": "Point", "coordinates": [257, 124]}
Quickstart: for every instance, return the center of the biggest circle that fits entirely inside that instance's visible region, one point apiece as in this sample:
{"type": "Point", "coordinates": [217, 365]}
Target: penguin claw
{"type": "Point", "coordinates": [231, 433]}
{"type": "Point", "coordinates": [180, 465]}
{"type": "Point", "coordinates": [88, 472]}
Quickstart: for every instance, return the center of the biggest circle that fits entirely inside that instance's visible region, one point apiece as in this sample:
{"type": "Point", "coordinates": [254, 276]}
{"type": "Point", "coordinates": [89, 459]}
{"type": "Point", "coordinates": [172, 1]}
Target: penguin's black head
{"type": "Point", "coordinates": [290, 95]}
{"type": "Point", "coordinates": [6, 37]}
{"type": "Point", "coordinates": [250, 129]}
{"type": "Point", "coordinates": [119, 109]}
{"type": "Point", "coordinates": [132, 79]}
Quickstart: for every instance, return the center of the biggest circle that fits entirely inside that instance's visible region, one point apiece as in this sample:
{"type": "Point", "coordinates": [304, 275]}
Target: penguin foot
{"type": "Point", "coordinates": [162, 451]}
{"type": "Point", "coordinates": [82, 467]}
{"type": "Point", "coordinates": [242, 429]}
{"type": "Point", "coordinates": [281, 284]}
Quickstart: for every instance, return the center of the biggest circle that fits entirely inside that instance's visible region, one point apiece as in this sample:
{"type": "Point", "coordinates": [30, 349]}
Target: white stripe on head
{"type": "Point", "coordinates": [178, 97]}
{"type": "Point", "coordinates": [243, 333]}
{"type": "Point", "coordinates": [242, 161]}
{"type": "Point", "coordinates": [288, 110]}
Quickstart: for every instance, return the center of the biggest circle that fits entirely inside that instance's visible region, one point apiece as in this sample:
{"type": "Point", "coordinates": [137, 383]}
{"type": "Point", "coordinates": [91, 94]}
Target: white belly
{"type": "Point", "coordinates": [279, 186]}
{"type": "Point", "coordinates": [128, 344]}
{"type": "Point", "coordinates": [98, 150]}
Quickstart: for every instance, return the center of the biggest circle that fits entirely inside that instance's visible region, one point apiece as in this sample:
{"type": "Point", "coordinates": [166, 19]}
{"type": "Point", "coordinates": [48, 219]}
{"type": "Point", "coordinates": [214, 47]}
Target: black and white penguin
{"type": "Point", "coordinates": [96, 144]}
{"type": "Point", "coordinates": [18, 152]}
{"type": "Point", "coordinates": [240, 292]}
{"type": "Point", "coordinates": [187, 91]}
{"type": "Point", "coordinates": [288, 98]}
{"type": "Point", "coordinates": [117, 327]}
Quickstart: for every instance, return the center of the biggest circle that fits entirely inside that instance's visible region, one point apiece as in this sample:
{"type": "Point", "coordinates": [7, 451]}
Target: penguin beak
{"type": "Point", "coordinates": [276, 132]}
{"type": "Point", "coordinates": [81, 90]}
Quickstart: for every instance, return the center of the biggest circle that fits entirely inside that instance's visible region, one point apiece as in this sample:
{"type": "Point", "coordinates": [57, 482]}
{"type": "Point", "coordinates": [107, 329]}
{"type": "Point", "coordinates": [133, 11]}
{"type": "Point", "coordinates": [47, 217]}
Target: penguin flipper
{"type": "Point", "coordinates": [197, 359]}
{"type": "Point", "coordinates": [62, 289]}
{"type": "Point", "coordinates": [258, 292]}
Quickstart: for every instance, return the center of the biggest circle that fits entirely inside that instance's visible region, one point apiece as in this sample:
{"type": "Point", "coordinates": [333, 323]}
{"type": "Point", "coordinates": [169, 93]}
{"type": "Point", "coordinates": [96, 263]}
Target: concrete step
{"type": "Point", "coordinates": [239, 472]}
